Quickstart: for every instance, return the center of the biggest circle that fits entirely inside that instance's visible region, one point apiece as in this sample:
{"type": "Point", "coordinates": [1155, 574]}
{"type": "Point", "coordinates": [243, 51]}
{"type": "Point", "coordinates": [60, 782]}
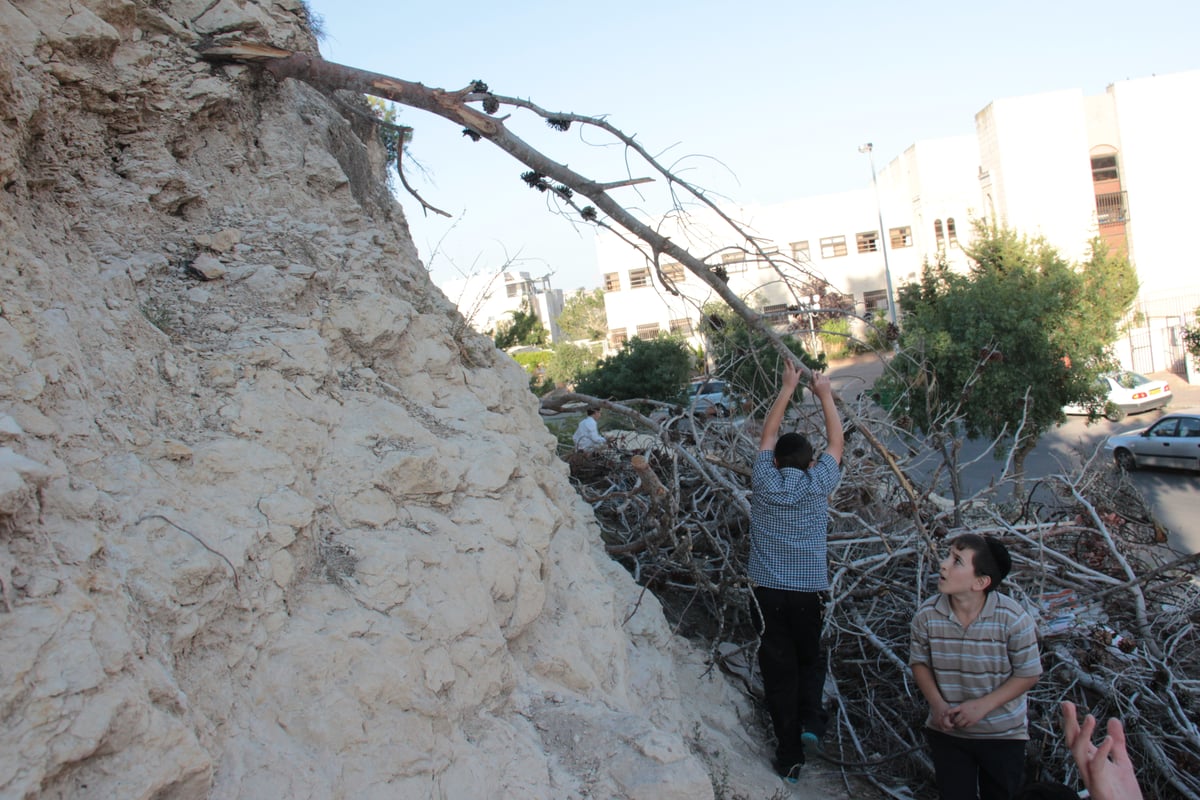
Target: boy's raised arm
{"type": "Point", "coordinates": [833, 422]}
{"type": "Point", "coordinates": [770, 431]}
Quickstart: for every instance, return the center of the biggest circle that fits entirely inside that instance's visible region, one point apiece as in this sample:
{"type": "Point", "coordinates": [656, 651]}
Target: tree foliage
{"type": "Point", "coordinates": [1005, 346]}
{"type": "Point", "coordinates": [583, 316]}
{"type": "Point", "coordinates": [744, 357]}
{"type": "Point", "coordinates": [656, 369]}
{"type": "Point", "coordinates": [525, 330]}
{"type": "Point", "coordinates": [568, 362]}
{"type": "Point", "coordinates": [1191, 337]}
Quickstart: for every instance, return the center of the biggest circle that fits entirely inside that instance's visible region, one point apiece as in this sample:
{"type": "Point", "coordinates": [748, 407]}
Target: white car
{"type": "Point", "coordinates": [1173, 441]}
{"type": "Point", "coordinates": [1127, 393]}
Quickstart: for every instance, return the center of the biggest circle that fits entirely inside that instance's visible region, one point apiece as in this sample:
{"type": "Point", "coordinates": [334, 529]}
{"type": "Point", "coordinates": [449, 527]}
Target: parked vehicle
{"type": "Point", "coordinates": [710, 397]}
{"type": "Point", "coordinates": [1127, 393]}
{"type": "Point", "coordinates": [1173, 441]}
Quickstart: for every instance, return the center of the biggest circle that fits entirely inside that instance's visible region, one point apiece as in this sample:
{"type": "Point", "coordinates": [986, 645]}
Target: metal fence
{"type": "Point", "coordinates": [1155, 335]}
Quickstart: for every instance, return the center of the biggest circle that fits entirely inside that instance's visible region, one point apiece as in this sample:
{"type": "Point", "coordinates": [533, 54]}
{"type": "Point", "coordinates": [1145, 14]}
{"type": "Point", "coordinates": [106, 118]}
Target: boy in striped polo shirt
{"type": "Point", "coordinates": [974, 655]}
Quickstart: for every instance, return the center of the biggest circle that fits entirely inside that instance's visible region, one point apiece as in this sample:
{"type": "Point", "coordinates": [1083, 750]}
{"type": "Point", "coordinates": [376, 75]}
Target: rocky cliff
{"type": "Point", "coordinates": [274, 522]}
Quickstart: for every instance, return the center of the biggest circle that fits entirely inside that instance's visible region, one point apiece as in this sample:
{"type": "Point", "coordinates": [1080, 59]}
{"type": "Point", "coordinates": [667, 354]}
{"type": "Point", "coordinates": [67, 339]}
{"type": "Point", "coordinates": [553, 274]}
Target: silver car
{"type": "Point", "coordinates": [710, 397]}
{"type": "Point", "coordinates": [1173, 441]}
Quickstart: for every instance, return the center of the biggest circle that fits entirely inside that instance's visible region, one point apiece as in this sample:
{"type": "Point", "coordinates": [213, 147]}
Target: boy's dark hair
{"type": "Point", "coordinates": [793, 450]}
{"type": "Point", "coordinates": [990, 556]}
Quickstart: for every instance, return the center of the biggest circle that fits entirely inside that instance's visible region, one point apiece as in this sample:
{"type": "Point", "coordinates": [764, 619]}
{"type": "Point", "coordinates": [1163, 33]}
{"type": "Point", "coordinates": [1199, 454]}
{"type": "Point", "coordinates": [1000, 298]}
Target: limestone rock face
{"type": "Point", "coordinates": [273, 521]}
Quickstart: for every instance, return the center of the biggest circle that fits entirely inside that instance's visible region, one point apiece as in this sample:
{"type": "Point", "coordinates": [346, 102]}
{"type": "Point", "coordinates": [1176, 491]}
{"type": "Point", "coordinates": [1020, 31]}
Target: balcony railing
{"type": "Point", "coordinates": [1111, 208]}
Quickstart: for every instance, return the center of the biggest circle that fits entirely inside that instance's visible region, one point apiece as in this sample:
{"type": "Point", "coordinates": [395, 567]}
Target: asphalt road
{"type": "Point", "coordinates": [1173, 495]}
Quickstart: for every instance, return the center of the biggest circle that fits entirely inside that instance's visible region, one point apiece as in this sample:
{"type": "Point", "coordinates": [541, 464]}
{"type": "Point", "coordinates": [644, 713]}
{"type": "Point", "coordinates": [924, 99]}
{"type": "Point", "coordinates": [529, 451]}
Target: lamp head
{"type": "Point", "coordinates": [864, 148]}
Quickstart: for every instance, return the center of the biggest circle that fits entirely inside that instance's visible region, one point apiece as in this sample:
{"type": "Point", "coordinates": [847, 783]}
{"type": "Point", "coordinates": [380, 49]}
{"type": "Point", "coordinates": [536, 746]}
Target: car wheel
{"type": "Point", "coordinates": [721, 410]}
{"type": "Point", "coordinates": [1125, 461]}
{"type": "Point", "coordinates": [1114, 413]}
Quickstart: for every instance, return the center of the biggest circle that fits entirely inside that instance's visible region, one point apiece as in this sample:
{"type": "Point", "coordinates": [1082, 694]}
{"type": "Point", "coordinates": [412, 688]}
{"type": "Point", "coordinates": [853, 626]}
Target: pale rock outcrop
{"type": "Point", "coordinates": [282, 525]}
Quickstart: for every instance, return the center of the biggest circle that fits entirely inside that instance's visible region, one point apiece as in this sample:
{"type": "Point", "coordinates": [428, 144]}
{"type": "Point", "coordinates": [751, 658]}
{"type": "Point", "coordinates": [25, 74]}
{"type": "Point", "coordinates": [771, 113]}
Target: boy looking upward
{"type": "Point", "coordinates": [974, 655]}
{"type": "Point", "coordinates": [789, 571]}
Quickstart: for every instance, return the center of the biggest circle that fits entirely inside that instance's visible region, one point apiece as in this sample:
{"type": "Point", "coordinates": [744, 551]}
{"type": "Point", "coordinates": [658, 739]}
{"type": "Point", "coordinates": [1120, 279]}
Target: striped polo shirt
{"type": "Point", "coordinates": [969, 662]}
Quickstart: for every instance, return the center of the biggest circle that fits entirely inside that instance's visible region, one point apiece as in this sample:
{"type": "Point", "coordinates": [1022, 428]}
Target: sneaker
{"type": "Point", "coordinates": [791, 773]}
{"type": "Point", "coordinates": [810, 742]}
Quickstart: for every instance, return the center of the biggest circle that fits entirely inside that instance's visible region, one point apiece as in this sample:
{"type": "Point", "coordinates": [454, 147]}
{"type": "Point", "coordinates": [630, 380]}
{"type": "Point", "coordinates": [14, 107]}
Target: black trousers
{"type": "Point", "coordinates": [792, 662]}
{"type": "Point", "coordinates": [977, 769]}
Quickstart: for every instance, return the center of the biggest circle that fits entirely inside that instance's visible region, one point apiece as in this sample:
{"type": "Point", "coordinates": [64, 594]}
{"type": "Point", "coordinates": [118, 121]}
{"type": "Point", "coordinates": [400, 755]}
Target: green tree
{"type": "Point", "coordinates": [657, 369]}
{"type": "Point", "coordinates": [524, 330]}
{"type": "Point", "coordinates": [998, 351]}
{"type": "Point", "coordinates": [583, 316]}
{"type": "Point", "coordinates": [570, 361]}
{"type": "Point", "coordinates": [1191, 337]}
{"type": "Point", "coordinates": [744, 358]}
{"type": "Point", "coordinates": [534, 363]}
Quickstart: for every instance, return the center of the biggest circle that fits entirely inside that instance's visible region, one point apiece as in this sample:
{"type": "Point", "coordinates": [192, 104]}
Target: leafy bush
{"type": "Point", "coordinates": [535, 363]}
{"type": "Point", "coordinates": [835, 336]}
{"type": "Point", "coordinates": [568, 362]}
{"type": "Point", "coordinates": [876, 336]}
{"type": "Point", "coordinates": [1191, 338]}
{"type": "Point", "coordinates": [656, 369]}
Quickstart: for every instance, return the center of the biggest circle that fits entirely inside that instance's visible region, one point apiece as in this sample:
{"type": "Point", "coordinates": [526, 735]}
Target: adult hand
{"type": "Point", "coordinates": [1105, 770]}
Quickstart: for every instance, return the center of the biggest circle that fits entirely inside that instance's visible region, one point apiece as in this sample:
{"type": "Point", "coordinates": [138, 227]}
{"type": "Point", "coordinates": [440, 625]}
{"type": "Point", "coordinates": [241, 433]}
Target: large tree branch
{"type": "Point", "coordinates": [454, 106]}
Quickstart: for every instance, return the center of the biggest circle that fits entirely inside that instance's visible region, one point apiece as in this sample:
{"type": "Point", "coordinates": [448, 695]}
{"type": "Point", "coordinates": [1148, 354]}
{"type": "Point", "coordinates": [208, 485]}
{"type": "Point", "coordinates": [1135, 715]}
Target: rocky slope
{"type": "Point", "coordinates": [273, 521]}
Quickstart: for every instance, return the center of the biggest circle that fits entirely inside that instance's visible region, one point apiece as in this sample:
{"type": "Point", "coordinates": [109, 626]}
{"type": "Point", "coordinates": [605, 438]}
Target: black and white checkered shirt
{"type": "Point", "coordinates": [788, 523]}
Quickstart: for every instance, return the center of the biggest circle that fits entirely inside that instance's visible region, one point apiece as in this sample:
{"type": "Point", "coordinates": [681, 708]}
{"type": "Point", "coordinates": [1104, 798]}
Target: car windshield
{"type": "Point", "coordinates": [1130, 380]}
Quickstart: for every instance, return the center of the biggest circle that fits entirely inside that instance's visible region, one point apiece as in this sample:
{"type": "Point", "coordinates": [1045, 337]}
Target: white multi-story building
{"type": "Point", "coordinates": [488, 300]}
{"type": "Point", "coordinates": [822, 252]}
{"type": "Point", "coordinates": [1059, 165]}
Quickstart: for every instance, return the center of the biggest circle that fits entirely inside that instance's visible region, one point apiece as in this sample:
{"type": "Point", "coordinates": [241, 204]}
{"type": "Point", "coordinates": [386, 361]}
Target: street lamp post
{"type": "Point", "coordinates": [887, 272]}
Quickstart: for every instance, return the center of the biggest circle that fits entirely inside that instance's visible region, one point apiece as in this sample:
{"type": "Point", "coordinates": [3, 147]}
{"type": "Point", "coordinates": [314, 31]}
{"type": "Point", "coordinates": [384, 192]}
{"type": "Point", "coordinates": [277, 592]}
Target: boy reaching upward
{"type": "Point", "coordinates": [789, 571]}
{"type": "Point", "coordinates": [974, 655]}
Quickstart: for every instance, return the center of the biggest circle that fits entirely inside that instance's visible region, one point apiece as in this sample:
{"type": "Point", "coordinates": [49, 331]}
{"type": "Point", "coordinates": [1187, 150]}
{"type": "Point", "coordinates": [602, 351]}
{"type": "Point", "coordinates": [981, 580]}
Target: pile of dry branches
{"type": "Point", "coordinates": [1118, 610]}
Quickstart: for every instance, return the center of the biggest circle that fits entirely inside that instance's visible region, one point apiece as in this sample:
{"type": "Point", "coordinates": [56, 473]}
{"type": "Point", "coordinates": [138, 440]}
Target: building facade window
{"type": "Point", "coordinates": [1104, 168]}
{"type": "Point", "coordinates": [875, 300]}
{"type": "Point", "coordinates": [867, 241]}
{"type": "Point", "coordinates": [617, 337]}
{"type": "Point", "coordinates": [734, 262]}
{"type": "Point", "coordinates": [612, 282]}
{"type": "Point", "coordinates": [513, 289]}
{"type": "Point", "coordinates": [673, 271]}
{"type": "Point", "coordinates": [900, 237]}
{"type": "Point", "coordinates": [681, 326]}
{"type": "Point", "coordinates": [951, 232]}
{"type": "Point", "coordinates": [639, 278]}
{"type": "Point", "coordinates": [800, 251]}
{"type": "Point", "coordinates": [648, 330]}
{"type": "Point", "coordinates": [833, 246]}
{"type": "Point", "coordinates": [939, 234]}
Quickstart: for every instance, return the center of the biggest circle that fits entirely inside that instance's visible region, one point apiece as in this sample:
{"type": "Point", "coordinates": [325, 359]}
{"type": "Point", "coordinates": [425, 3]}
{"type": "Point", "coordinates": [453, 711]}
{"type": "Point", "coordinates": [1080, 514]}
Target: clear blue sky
{"type": "Point", "coordinates": [778, 94]}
